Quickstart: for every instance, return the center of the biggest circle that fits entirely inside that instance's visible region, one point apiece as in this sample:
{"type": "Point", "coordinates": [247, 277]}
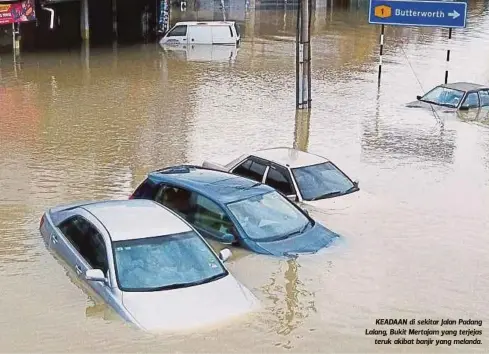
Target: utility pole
{"type": "Point", "coordinates": [303, 55]}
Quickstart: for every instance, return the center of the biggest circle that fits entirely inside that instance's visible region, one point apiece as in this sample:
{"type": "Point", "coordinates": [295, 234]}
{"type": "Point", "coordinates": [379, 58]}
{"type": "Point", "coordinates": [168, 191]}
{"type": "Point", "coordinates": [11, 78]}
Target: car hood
{"type": "Point", "coordinates": [339, 203]}
{"type": "Point", "coordinates": [186, 308]}
{"type": "Point", "coordinates": [430, 106]}
{"type": "Point", "coordinates": [311, 241]}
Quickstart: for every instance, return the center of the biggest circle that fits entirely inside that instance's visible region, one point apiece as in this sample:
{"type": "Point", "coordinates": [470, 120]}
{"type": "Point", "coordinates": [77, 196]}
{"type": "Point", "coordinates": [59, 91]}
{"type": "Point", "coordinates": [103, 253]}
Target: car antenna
{"type": "Point", "coordinates": [435, 114]}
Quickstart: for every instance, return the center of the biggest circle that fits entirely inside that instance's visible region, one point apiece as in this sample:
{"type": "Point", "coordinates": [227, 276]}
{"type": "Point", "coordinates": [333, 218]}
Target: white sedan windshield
{"type": "Point", "coordinates": [165, 262]}
{"type": "Point", "coordinates": [321, 180]}
{"type": "Point", "coordinates": [268, 216]}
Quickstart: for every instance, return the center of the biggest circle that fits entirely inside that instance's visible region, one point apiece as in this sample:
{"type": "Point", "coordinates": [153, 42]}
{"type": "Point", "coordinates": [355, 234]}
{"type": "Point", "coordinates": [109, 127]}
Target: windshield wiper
{"type": "Point", "coordinates": [297, 232]}
{"type": "Point", "coordinates": [283, 237]}
{"type": "Point", "coordinates": [186, 285]}
{"type": "Point", "coordinates": [327, 195]}
{"type": "Point", "coordinates": [439, 103]}
{"type": "Point", "coordinates": [351, 189]}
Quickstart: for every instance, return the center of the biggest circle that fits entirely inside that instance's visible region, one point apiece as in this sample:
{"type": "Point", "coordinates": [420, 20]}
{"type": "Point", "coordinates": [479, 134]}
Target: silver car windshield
{"type": "Point", "coordinates": [443, 96]}
{"type": "Point", "coordinates": [268, 217]}
{"type": "Point", "coordinates": [165, 262]}
{"type": "Point", "coordinates": [321, 181]}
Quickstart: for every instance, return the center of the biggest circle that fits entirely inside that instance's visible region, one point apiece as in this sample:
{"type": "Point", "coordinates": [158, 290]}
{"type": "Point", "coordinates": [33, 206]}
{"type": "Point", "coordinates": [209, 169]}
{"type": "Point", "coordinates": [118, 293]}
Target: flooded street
{"type": "Point", "coordinates": [90, 124]}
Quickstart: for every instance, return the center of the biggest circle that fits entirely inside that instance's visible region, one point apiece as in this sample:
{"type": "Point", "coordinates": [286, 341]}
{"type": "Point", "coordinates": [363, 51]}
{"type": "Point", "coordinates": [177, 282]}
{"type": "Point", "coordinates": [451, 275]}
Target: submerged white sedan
{"type": "Point", "coordinates": [301, 176]}
{"type": "Point", "coordinates": [147, 263]}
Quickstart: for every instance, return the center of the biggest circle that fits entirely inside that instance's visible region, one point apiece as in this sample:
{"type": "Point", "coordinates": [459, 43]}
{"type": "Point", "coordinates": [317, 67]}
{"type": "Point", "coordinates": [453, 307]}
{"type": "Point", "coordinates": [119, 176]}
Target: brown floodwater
{"type": "Point", "coordinates": [90, 124]}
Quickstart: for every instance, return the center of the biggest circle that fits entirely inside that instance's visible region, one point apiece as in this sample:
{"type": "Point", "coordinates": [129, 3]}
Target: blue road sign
{"type": "Point", "coordinates": [418, 13]}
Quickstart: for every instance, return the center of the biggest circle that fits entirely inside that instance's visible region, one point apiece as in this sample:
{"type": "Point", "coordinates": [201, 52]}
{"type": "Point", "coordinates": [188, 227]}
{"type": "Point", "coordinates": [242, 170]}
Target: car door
{"type": "Point", "coordinates": [278, 177]}
{"type": "Point", "coordinates": [199, 34]}
{"type": "Point", "coordinates": [210, 219]}
{"type": "Point", "coordinates": [471, 100]}
{"type": "Point", "coordinates": [484, 103]}
{"type": "Point", "coordinates": [87, 250]}
{"type": "Point", "coordinates": [177, 35]}
{"type": "Point", "coordinates": [204, 214]}
{"type": "Point", "coordinates": [253, 168]}
{"type": "Point", "coordinates": [66, 242]}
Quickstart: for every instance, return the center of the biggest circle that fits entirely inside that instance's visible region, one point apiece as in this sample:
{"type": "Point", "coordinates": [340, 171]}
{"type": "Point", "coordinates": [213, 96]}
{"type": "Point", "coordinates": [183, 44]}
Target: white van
{"type": "Point", "coordinates": [211, 32]}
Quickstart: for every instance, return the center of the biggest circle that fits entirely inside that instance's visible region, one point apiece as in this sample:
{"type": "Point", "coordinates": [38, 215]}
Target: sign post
{"type": "Point", "coordinates": [451, 14]}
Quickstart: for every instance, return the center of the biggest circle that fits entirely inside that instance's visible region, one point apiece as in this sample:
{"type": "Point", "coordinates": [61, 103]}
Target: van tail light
{"type": "Point", "coordinates": [41, 222]}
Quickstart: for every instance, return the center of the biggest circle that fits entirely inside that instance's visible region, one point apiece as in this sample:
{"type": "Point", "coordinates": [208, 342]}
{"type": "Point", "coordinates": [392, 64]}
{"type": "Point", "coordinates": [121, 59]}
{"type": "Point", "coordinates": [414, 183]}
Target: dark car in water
{"type": "Point", "coordinates": [454, 96]}
{"type": "Point", "coordinates": [236, 210]}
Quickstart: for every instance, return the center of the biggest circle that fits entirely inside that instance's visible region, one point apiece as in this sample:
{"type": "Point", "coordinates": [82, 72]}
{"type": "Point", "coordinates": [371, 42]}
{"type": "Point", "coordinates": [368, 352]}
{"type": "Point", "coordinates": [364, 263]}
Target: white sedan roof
{"type": "Point", "coordinates": [289, 157]}
{"type": "Point", "coordinates": [136, 218]}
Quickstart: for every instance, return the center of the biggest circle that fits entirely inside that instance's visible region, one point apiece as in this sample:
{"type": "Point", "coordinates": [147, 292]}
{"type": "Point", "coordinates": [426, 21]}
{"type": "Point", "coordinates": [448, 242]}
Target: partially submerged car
{"type": "Point", "coordinates": [301, 176]}
{"type": "Point", "coordinates": [453, 96]}
{"type": "Point", "coordinates": [146, 262]}
{"type": "Point", "coordinates": [236, 210]}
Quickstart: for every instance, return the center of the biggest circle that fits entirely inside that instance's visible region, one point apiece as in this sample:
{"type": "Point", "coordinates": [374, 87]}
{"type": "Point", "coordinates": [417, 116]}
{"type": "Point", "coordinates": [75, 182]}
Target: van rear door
{"type": "Point", "coordinates": [199, 34]}
{"type": "Point", "coordinates": [223, 35]}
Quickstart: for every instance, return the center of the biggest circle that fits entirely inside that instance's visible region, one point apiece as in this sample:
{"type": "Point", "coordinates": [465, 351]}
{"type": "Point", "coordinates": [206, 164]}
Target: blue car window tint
{"type": "Point", "coordinates": [210, 216]}
{"type": "Point", "coordinates": [175, 199]}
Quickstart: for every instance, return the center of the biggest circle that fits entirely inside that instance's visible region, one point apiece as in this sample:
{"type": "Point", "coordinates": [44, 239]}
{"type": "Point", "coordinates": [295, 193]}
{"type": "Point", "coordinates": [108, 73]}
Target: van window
{"type": "Point", "coordinates": [231, 31]}
{"type": "Point", "coordinates": [178, 31]}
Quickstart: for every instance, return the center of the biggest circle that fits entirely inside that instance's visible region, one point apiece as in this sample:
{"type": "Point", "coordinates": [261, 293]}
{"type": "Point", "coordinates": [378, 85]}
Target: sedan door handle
{"type": "Point", "coordinates": [78, 269]}
{"type": "Point", "coordinates": [54, 238]}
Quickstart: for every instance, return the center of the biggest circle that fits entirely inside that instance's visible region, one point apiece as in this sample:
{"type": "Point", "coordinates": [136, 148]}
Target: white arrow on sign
{"type": "Point", "coordinates": [454, 14]}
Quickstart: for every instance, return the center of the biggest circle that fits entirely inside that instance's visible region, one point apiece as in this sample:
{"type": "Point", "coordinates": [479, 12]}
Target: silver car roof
{"type": "Point", "coordinates": [136, 218]}
{"type": "Point", "coordinates": [289, 157]}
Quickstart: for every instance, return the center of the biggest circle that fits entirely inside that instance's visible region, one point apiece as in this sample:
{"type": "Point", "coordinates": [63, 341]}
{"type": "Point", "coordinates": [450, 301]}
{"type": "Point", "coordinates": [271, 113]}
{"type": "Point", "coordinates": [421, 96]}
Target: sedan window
{"type": "Point", "coordinates": [484, 98]}
{"type": "Point", "coordinates": [471, 101]}
{"type": "Point", "coordinates": [87, 241]}
{"type": "Point", "coordinates": [251, 169]}
{"type": "Point", "coordinates": [277, 178]}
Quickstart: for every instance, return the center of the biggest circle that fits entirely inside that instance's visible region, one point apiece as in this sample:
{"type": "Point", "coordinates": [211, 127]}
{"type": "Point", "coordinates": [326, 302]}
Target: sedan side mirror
{"type": "Point", "coordinates": [356, 182]}
{"type": "Point", "coordinates": [418, 97]}
{"type": "Point", "coordinates": [228, 238]}
{"type": "Point", "coordinates": [225, 254]}
{"type": "Point", "coordinates": [464, 108]}
{"type": "Point", "coordinates": [95, 275]}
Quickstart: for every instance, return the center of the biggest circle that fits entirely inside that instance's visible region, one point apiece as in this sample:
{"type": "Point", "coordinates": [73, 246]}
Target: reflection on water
{"type": "Point", "coordinates": [301, 132]}
{"type": "Point", "coordinates": [202, 52]}
{"type": "Point", "coordinates": [292, 302]}
{"type": "Point", "coordinates": [90, 124]}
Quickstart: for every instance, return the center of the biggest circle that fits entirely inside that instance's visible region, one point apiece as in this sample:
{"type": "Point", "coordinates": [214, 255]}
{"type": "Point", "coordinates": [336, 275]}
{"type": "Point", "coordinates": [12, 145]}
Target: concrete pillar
{"type": "Point", "coordinates": [84, 23]}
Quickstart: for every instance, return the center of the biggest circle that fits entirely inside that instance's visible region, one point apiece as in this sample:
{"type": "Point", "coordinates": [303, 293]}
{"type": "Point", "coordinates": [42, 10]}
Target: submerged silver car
{"type": "Point", "coordinates": [146, 262]}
